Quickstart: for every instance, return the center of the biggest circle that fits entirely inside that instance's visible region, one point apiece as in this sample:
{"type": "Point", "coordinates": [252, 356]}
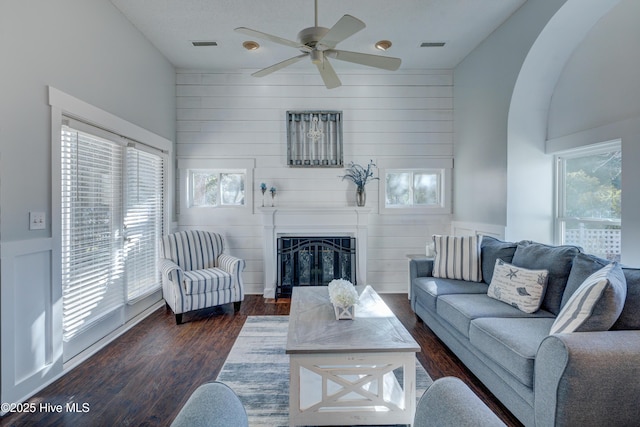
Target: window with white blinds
{"type": "Point", "coordinates": [92, 268]}
{"type": "Point", "coordinates": [112, 217]}
{"type": "Point", "coordinates": [143, 221]}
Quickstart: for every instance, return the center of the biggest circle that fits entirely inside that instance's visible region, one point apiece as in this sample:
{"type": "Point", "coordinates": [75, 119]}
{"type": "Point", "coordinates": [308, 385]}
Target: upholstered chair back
{"type": "Point", "coordinates": [193, 249]}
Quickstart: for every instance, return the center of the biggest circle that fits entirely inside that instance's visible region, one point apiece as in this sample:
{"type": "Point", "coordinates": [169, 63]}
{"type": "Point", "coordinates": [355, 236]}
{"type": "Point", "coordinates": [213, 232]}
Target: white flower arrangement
{"type": "Point", "coordinates": [342, 293]}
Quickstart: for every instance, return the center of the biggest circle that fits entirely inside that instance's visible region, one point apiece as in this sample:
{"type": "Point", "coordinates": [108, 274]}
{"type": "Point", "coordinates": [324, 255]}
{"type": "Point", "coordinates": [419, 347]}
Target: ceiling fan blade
{"type": "Point", "coordinates": [328, 74]}
{"type": "Point", "coordinates": [345, 27]}
{"type": "Point", "coordinates": [278, 66]}
{"type": "Point", "coordinates": [275, 39]}
{"type": "Point", "coordinates": [377, 61]}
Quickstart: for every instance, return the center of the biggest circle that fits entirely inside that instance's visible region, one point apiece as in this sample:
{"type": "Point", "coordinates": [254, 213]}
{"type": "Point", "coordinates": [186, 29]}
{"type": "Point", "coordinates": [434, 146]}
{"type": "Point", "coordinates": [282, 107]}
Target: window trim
{"type": "Point", "coordinates": [63, 104]}
{"type": "Point", "coordinates": [444, 166]}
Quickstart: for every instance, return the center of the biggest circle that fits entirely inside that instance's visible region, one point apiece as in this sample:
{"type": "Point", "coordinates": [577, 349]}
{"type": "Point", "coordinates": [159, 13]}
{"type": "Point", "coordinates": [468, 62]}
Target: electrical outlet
{"type": "Point", "coordinates": [37, 221]}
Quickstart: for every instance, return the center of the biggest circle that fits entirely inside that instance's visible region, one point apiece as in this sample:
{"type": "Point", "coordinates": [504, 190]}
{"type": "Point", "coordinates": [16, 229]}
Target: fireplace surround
{"type": "Point", "coordinates": [313, 221]}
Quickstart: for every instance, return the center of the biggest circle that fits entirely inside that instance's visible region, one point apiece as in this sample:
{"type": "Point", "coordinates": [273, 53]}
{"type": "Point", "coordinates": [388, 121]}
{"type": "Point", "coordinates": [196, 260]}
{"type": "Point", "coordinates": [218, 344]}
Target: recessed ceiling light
{"type": "Point", "coordinates": [432, 44]}
{"type": "Point", "coordinates": [383, 45]}
{"type": "Point", "coordinates": [250, 45]}
{"type": "Point", "coordinates": [204, 43]}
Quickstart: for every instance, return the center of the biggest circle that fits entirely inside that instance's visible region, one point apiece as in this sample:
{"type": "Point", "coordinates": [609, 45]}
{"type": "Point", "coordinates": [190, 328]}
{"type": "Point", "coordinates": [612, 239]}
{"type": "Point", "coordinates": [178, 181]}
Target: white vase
{"type": "Point", "coordinates": [345, 313]}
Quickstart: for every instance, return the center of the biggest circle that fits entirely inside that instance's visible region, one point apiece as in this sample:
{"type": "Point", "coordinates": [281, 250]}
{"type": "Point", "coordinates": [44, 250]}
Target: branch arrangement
{"type": "Point", "coordinates": [359, 175]}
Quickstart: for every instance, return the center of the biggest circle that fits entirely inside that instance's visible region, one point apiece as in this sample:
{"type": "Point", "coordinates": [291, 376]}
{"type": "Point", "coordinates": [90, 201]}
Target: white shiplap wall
{"type": "Point", "coordinates": [386, 117]}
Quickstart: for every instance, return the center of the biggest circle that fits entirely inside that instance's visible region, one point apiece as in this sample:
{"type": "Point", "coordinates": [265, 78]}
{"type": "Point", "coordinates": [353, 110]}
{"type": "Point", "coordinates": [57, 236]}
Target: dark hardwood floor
{"type": "Point", "coordinates": [145, 376]}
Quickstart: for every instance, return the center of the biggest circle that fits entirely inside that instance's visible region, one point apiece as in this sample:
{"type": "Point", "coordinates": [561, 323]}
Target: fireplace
{"type": "Point", "coordinates": [314, 261]}
{"type": "Point", "coordinates": [316, 222]}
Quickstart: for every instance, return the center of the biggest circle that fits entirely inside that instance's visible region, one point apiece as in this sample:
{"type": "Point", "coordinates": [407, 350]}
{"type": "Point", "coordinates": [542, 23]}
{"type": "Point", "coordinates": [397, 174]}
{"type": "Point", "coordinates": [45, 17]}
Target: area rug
{"type": "Point", "coordinates": [257, 369]}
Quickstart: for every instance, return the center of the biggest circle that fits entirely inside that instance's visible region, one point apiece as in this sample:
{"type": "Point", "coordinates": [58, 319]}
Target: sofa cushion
{"type": "Point", "coordinates": [457, 257]}
{"type": "Point", "coordinates": [596, 304]}
{"type": "Point", "coordinates": [490, 250]}
{"type": "Point", "coordinates": [556, 259]}
{"type": "Point", "coordinates": [511, 343]}
{"type": "Point", "coordinates": [206, 280]}
{"type": "Point", "coordinates": [428, 289]}
{"type": "Point", "coordinates": [460, 310]}
{"type": "Point", "coordinates": [517, 286]}
{"type": "Point", "coordinates": [584, 265]}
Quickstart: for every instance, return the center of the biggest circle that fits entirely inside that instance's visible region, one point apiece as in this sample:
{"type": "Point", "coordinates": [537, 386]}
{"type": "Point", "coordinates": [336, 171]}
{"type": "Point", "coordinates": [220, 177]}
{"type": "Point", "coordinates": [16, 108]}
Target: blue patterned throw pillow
{"type": "Point", "coordinates": [517, 286]}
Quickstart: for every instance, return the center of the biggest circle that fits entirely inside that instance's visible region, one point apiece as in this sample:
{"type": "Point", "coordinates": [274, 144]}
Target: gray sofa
{"type": "Point", "coordinates": [565, 379]}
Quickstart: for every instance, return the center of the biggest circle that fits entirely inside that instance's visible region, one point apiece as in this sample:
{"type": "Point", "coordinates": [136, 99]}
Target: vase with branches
{"type": "Point", "coordinates": [360, 176]}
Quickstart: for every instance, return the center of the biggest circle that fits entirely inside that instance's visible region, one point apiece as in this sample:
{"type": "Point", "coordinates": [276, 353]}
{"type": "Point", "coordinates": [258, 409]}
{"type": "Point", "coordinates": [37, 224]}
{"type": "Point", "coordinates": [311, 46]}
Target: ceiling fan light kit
{"type": "Point", "coordinates": [318, 43]}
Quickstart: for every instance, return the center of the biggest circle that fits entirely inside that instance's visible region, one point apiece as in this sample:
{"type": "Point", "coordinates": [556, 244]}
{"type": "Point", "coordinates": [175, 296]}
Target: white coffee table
{"type": "Point", "coordinates": [342, 371]}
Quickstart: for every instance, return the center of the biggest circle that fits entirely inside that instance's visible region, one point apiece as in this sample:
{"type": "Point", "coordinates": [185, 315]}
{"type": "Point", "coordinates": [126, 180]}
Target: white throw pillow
{"type": "Point", "coordinates": [457, 257]}
{"type": "Point", "coordinates": [596, 304]}
{"type": "Point", "coordinates": [517, 286]}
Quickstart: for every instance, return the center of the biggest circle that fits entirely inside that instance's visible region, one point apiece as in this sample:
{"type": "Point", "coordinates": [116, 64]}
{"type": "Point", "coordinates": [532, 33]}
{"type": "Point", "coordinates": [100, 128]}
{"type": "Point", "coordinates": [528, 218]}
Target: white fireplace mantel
{"type": "Point", "coordinates": [312, 221]}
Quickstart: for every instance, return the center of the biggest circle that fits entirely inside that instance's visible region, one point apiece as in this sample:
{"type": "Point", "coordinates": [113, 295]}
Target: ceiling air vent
{"type": "Point", "coordinates": [204, 43]}
{"type": "Point", "coordinates": [432, 44]}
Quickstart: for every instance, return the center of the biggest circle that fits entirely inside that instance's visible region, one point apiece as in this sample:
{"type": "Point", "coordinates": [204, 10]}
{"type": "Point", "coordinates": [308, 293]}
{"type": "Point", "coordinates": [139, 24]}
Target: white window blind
{"type": "Point", "coordinates": [143, 221]}
{"type": "Point", "coordinates": [92, 268]}
{"type": "Point", "coordinates": [112, 219]}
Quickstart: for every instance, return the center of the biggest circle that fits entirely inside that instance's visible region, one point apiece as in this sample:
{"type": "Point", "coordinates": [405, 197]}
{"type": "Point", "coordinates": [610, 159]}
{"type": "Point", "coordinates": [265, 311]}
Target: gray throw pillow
{"type": "Point", "coordinates": [584, 265]}
{"type": "Point", "coordinates": [492, 249]}
{"type": "Point", "coordinates": [596, 304]}
{"type": "Point", "coordinates": [556, 259]}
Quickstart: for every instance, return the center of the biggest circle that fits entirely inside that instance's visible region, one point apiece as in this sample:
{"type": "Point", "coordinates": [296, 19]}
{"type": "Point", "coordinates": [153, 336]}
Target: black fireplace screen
{"type": "Point", "coordinates": [314, 261]}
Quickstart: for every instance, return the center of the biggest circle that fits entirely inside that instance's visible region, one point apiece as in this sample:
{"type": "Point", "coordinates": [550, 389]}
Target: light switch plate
{"type": "Point", "coordinates": [37, 221]}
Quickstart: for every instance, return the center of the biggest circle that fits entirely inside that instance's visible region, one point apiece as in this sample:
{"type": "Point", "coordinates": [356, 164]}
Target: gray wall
{"type": "Point", "coordinates": [88, 50]}
{"type": "Point", "coordinates": [600, 83]}
{"type": "Point", "coordinates": [525, 93]}
{"type": "Point", "coordinates": [483, 85]}
{"type": "Point", "coordinates": [596, 99]}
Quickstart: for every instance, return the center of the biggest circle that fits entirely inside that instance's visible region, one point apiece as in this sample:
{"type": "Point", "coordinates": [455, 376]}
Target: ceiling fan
{"type": "Point", "coordinates": [319, 44]}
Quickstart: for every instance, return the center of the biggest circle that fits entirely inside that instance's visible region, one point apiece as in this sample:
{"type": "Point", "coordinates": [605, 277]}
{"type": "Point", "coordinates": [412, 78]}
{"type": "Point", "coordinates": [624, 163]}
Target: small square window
{"type": "Point", "coordinates": [413, 188]}
{"type": "Point", "coordinates": [209, 188]}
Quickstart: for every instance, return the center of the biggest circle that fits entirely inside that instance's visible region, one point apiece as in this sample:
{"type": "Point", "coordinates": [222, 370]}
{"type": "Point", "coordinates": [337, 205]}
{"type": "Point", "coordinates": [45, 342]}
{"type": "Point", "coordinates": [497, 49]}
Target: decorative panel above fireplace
{"type": "Point", "coordinates": [314, 139]}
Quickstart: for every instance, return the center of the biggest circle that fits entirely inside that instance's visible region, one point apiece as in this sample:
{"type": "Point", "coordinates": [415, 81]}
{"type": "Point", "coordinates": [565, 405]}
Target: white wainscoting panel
{"type": "Point", "coordinates": [460, 228]}
{"type": "Point", "coordinates": [31, 318]}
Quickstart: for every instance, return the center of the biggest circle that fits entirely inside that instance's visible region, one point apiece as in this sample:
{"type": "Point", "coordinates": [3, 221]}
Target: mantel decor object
{"type": "Point", "coordinates": [314, 139]}
{"type": "Point", "coordinates": [263, 188]}
{"type": "Point", "coordinates": [360, 177]}
{"type": "Point", "coordinates": [272, 190]}
{"type": "Point", "coordinates": [344, 297]}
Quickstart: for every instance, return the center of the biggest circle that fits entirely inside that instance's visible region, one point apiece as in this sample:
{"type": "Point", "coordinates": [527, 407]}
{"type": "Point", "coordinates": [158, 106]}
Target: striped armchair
{"type": "Point", "coordinates": [197, 274]}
